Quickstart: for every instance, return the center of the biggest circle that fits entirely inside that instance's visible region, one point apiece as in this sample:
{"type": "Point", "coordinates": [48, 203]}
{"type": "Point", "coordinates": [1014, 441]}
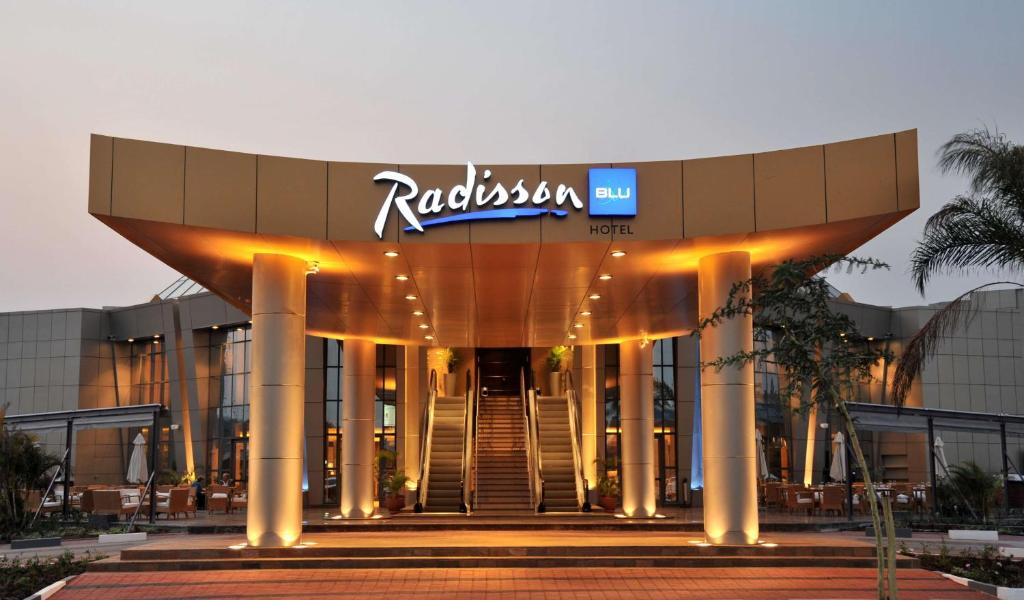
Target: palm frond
{"type": "Point", "coordinates": [969, 232]}
{"type": "Point", "coordinates": [922, 346]}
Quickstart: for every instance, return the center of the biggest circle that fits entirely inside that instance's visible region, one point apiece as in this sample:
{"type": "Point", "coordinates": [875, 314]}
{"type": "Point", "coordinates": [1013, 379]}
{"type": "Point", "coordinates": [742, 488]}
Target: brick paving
{"type": "Point", "coordinates": [455, 584]}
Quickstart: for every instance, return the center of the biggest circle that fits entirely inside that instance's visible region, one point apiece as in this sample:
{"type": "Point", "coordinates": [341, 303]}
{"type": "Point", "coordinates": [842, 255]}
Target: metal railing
{"type": "Point", "coordinates": [49, 488]}
{"type": "Point", "coordinates": [426, 435]}
{"type": "Point", "coordinates": [476, 440]}
{"type": "Point", "coordinates": [534, 460]}
{"type": "Point", "coordinates": [468, 444]}
{"type": "Point", "coordinates": [576, 435]}
{"type": "Point", "coordinates": [143, 499]}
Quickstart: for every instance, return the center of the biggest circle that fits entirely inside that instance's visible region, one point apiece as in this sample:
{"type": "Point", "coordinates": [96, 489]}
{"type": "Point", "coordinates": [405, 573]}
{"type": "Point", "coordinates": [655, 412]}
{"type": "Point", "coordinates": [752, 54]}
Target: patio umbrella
{"type": "Point", "coordinates": [137, 470]}
{"type": "Point", "coordinates": [762, 460]}
{"type": "Point", "coordinates": [838, 469]}
{"type": "Point", "coordinates": [941, 466]}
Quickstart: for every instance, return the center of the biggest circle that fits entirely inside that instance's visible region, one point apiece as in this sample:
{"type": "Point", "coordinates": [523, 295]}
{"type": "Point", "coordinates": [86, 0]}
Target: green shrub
{"type": "Point", "coordinates": [20, 579]}
{"type": "Point", "coordinates": [986, 565]}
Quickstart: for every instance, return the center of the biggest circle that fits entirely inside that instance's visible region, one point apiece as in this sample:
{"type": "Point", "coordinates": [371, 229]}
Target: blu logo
{"type": "Point", "coordinates": [613, 192]}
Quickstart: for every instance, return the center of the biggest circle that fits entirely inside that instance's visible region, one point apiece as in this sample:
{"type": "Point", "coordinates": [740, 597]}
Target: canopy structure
{"type": "Point", "coordinates": [143, 415]}
{"type": "Point", "coordinates": [477, 254]}
{"type": "Point", "coordinates": [884, 417]}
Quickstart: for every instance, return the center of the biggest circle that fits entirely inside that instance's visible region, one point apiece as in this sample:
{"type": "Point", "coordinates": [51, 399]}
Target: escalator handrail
{"type": "Point", "coordinates": [535, 442]}
{"type": "Point", "coordinates": [526, 435]}
{"type": "Point", "coordinates": [576, 435]}
{"type": "Point", "coordinates": [476, 441]}
{"type": "Point", "coordinates": [467, 444]}
{"type": "Point", "coordinates": [426, 437]}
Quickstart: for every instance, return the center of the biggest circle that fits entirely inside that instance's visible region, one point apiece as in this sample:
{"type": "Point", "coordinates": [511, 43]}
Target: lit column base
{"type": "Point", "coordinates": [636, 406]}
{"type": "Point", "coordinates": [357, 451]}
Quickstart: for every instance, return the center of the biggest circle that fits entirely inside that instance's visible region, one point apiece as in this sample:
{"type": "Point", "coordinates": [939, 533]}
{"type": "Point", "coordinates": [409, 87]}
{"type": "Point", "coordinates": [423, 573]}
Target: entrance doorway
{"type": "Point", "coordinates": [240, 461]}
{"type": "Point", "coordinates": [498, 370]}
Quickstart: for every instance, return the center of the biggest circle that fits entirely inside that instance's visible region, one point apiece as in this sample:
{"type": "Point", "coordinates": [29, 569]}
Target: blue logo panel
{"type": "Point", "coordinates": [613, 192]}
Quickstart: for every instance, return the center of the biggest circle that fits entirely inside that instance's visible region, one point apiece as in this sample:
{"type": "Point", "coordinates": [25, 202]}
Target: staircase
{"type": "Point", "coordinates": [556, 455]}
{"type": "Point", "coordinates": [502, 482]}
{"type": "Point", "coordinates": [444, 491]}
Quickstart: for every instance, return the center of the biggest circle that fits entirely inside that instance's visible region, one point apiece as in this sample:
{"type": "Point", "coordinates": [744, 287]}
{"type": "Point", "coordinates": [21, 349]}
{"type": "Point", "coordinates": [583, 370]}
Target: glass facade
{"type": "Point", "coordinates": [384, 414]}
{"type": "Point", "coordinates": [770, 414]}
{"type": "Point", "coordinates": [228, 444]}
{"type": "Point", "coordinates": [612, 422]}
{"type": "Point", "coordinates": [333, 365]}
{"type": "Point", "coordinates": [665, 469]}
{"type": "Point", "coordinates": [149, 384]}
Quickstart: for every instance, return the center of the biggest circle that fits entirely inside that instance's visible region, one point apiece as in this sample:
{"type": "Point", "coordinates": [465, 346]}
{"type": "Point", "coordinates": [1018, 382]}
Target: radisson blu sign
{"type": "Point", "coordinates": [612, 193]}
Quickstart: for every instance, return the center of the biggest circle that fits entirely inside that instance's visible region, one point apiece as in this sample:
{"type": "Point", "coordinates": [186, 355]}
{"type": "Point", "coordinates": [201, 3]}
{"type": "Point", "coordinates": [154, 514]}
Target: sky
{"type": "Point", "coordinates": [488, 82]}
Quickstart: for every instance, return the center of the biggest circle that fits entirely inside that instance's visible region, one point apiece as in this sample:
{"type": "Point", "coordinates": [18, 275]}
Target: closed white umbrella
{"type": "Point", "coordinates": [138, 472]}
{"type": "Point", "coordinates": [837, 471]}
{"type": "Point", "coordinates": [762, 460]}
{"type": "Point", "coordinates": [941, 466]}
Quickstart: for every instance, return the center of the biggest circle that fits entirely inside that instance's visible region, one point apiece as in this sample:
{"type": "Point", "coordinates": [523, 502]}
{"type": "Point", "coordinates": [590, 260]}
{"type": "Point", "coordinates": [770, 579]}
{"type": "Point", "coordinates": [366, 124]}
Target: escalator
{"type": "Point", "coordinates": [559, 448]}
{"type": "Point", "coordinates": [447, 451]}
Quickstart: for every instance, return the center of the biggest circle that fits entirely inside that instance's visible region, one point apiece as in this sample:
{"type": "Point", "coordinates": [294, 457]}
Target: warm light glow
{"type": "Point", "coordinates": [605, 276]}
{"type": "Point", "coordinates": [391, 253]}
{"type": "Point", "coordinates": [424, 326]}
{"type": "Point", "coordinates": [156, 342]}
{"type": "Point", "coordinates": [586, 313]}
{"type": "Point", "coordinates": [618, 253]}
{"type": "Point", "coordinates": [578, 325]}
{"type": "Point", "coordinates": [428, 337]}
{"type": "Point", "coordinates": [130, 340]}
{"type": "Point", "coordinates": [250, 321]}
{"type": "Point", "coordinates": [156, 337]}
{"type": "Point", "coordinates": [417, 313]}
{"type": "Point", "coordinates": [312, 267]}
{"type": "Point", "coordinates": [237, 546]}
{"type": "Point", "coordinates": [770, 545]}
{"type": "Point", "coordinates": [572, 336]}
{"type": "Point", "coordinates": [595, 296]}
{"type": "Point", "coordinates": [215, 327]}
{"type": "Point", "coordinates": [402, 277]}
{"type": "Point", "coordinates": [410, 297]}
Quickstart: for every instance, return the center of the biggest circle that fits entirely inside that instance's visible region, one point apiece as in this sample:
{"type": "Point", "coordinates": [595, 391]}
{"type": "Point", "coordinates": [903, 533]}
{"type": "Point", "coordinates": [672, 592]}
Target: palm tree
{"type": "Point", "coordinates": [983, 229]}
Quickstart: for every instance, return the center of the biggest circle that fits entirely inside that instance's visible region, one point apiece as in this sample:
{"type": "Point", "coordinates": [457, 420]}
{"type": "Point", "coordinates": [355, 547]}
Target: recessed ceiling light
{"type": "Point", "coordinates": [424, 326]}
{"type": "Point", "coordinates": [402, 277]}
{"type": "Point", "coordinates": [618, 253]}
{"type": "Point", "coordinates": [572, 336]}
{"type": "Point", "coordinates": [215, 327]}
{"type": "Point", "coordinates": [391, 253]}
{"type": "Point", "coordinates": [241, 329]}
{"type": "Point", "coordinates": [428, 337]}
{"type": "Point", "coordinates": [130, 340]}
{"type": "Point", "coordinates": [156, 337]}
{"type": "Point", "coordinates": [250, 322]}
{"type": "Point", "coordinates": [578, 325]}
{"type": "Point", "coordinates": [156, 342]}
{"type": "Point", "coordinates": [417, 313]}
{"type": "Point", "coordinates": [410, 297]}
{"type": "Point", "coordinates": [595, 296]}
{"type": "Point", "coordinates": [586, 313]}
{"type": "Point", "coordinates": [605, 276]}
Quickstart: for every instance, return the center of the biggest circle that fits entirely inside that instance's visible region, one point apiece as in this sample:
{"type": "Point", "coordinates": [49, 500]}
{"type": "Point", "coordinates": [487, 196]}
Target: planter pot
{"type": "Point", "coordinates": [449, 384]}
{"type": "Point", "coordinates": [555, 384]}
{"type": "Point", "coordinates": [608, 503]}
{"type": "Point", "coordinates": [394, 502]}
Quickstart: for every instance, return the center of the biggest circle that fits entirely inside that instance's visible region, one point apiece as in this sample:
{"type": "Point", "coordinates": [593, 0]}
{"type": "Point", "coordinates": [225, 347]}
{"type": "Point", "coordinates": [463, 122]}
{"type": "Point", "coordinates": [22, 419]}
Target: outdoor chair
{"type": "Point", "coordinates": [175, 504]}
{"type": "Point", "coordinates": [773, 495]}
{"type": "Point", "coordinates": [218, 497]}
{"type": "Point", "coordinates": [833, 499]}
{"type": "Point", "coordinates": [106, 502]}
{"type": "Point", "coordinates": [798, 498]}
{"type": "Point", "coordinates": [239, 499]}
{"type": "Point", "coordinates": [86, 502]}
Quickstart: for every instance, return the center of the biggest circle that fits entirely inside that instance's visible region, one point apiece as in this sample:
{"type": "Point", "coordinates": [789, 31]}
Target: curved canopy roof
{"type": "Point", "coordinates": [521, 280]}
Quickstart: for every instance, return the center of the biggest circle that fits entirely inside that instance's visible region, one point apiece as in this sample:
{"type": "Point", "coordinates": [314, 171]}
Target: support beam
{"type": "Point", "coordinates": [277, 402]}
{"type": "Point", "coordinates": [357, 455]}
{"type": "Point", "coordinates": [636, 406]}
{"type": "Point", "coordinates": [588, 408]}
{"type": "Point", "coordinates": [727, 417]}
{"type": "Point", "coordinates": [409, 413]}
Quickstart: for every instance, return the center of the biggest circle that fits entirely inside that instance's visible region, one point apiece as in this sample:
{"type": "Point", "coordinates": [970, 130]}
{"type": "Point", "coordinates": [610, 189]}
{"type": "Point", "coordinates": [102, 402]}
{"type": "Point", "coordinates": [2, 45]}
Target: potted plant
{"type": "Point", "coordinates": [556, 357]}
{"type": "Point", "coordinates": [451, 359]}
{"type": "Point", "coordinates": [394, 486]}
{"type": "Point", "coordinates": [607, 487]}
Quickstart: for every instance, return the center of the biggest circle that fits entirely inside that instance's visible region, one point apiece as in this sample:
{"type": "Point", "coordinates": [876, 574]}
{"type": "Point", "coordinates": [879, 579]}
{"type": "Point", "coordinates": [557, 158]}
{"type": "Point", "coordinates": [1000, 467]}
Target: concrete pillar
{"type": "Point", "coordinates": [357, 453]}
{"type": "Point", "coordinates": [636, 407]}
{"type": "Point", "coordinates": [588, 410]}
{"type": "Point", "coordinates": [809, 449]}
{"type": "Point", "coordinates": [277, 402]}
{"type": "Point", "coordinates": [727, 409]}
{"type": "Point", "coordinates": [409, 414]}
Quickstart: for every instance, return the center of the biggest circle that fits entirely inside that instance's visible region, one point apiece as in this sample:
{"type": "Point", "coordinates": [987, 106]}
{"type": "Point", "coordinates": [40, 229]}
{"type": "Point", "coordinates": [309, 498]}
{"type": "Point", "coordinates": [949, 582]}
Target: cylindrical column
{"type": "Point", "coordinates": [277, 402]}
{"type": "Point", "coordinates": [410, 415]}
{"type": "Point", "coordinates": [357, 404]}
{"type": "Point", "coordinates": [636, 408]}
{"type": "Point", "coordinates": [727, 409]}
{"type": "Point", "coordinates": [588, 410]}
